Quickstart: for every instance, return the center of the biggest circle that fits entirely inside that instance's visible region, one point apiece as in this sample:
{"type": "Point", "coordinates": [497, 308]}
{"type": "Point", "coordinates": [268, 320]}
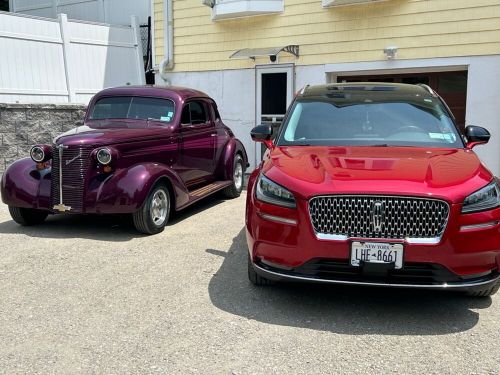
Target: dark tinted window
{"type": "Point", "coordinates": [139, 108]}
{"type": "Point", "coordinates": [194, 113]}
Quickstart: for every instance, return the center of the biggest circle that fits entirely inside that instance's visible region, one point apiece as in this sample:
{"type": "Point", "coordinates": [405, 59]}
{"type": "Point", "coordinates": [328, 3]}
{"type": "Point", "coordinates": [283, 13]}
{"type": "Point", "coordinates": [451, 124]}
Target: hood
{"type": "Point", "coordinates": [99, 133]}
{"type": "Point", "coordinates": [450, 174]}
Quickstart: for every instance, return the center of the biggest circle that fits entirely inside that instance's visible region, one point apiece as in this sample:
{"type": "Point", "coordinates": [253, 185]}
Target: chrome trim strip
{"type": "Point", "coordinates": [331, 237]}
{"type": "Point", "coordinates": [61, 207]}
{"type": "Point", "coordinates": [423, 241]}
{"type": "Point", "coordinates": [278, 219]}
{"type": "Point", "coordinates": [491, 224]}
{"type": "Point", "coordinates": [411, 241]}
{"type": "Point", "coordinates": [342, 282]}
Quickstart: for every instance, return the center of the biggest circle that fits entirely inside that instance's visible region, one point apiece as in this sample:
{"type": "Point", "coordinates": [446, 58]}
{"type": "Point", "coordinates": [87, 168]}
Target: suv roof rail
{"type": "Point", "coordinates": [428, 88]}
{"type": "Point", "coordinates": [303, 90]}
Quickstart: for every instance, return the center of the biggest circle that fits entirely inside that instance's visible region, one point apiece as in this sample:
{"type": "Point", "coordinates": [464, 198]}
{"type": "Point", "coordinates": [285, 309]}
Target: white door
{"type": "Point", "coordinates": [274, 93]}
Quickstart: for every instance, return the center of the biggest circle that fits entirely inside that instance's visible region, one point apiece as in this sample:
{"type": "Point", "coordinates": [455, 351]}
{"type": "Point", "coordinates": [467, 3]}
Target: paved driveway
{"type": "Point", "coordinates": [89, 295]}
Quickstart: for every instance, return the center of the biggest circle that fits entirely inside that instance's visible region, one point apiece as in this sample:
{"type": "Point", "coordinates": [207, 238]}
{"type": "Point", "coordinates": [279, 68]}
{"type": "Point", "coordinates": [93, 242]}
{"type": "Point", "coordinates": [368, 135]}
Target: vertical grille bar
{"type": "Point", "coordinates": [75, 164]}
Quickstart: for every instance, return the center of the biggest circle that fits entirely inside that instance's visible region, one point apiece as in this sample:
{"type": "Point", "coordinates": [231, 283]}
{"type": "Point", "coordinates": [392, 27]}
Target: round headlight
{"type": "Point", "coordinates": [37, 154]}
{"type": "Point", "coordinates": [104, 156]}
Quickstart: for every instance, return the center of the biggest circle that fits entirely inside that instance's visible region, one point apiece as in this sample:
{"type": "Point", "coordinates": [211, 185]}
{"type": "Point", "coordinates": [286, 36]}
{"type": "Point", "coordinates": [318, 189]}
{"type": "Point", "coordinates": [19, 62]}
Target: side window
{"type": "Point", "coordinates": [194, 113]}
{"type": "Point", "coordinates": [198, 114]}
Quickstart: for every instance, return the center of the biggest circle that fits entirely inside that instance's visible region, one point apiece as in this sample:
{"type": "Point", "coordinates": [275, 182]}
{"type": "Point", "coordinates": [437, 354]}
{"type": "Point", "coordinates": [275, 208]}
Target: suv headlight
{"type": "Point", "coordinates": [270, 192]}
{"type": "Point", "coordinates": [486, 198]}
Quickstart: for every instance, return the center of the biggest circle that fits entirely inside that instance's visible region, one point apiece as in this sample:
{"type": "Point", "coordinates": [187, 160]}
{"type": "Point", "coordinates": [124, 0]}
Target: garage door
{"type": "Point", "coordinates": [451, 86]}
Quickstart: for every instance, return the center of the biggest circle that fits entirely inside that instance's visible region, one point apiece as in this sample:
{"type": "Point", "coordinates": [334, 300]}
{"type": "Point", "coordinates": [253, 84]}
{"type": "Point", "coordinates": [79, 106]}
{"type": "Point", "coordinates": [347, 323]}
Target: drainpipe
{"type": "Point", "coordinates": [168, 62]}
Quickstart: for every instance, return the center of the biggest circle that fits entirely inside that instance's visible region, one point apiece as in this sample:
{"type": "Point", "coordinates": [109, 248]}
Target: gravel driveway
{"type": "Point", "coordinates": [89, 295]}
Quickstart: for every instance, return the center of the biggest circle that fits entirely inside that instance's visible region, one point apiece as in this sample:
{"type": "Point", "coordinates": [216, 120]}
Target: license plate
{"type": "Point", "coordinates": [376, 252]}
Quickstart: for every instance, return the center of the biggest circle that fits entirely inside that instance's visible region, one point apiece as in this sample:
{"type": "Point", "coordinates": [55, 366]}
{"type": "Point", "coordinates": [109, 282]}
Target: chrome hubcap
{"type": "Point", "coordinates": [159, 207]}
{"type": "Point", "coordinates": [238, 176]}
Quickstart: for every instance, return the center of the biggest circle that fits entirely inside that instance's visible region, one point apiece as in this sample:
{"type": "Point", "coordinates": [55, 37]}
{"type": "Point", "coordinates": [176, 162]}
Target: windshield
{"type": "Point", "coordinates": [133, 107]}
{"type": "Point", "coordinates": [420, 122]}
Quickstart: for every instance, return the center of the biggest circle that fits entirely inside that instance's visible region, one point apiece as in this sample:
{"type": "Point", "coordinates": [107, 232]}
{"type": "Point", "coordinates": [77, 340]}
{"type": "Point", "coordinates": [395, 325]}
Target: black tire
{"type": "Point", "coordinates": [27, 216]}
{"type": "Point", "coordinates": [234, 190]}
{"type": "Point", "coordinates": [255, 278]}
{"type": "Point", "coordinates": [482, 293]}
{"type": "Point", "coordinates": [143, 218]}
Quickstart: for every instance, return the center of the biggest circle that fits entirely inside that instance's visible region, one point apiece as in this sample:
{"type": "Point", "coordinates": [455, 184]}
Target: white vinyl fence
{"type": "Point", "coordinates": [65, 61]}
{"type": "Point", "coordinates": [115, 12]}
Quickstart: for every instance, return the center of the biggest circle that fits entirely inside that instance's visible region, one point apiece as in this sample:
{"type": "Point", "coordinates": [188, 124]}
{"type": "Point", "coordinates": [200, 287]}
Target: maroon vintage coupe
{"type": "Point", "coordinates": [141, 150]}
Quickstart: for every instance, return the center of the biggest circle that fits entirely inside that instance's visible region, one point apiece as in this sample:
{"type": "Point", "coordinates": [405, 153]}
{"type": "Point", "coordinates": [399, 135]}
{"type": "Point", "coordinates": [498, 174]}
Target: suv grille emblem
{"type": "Point", "coordinates": [378, 211]}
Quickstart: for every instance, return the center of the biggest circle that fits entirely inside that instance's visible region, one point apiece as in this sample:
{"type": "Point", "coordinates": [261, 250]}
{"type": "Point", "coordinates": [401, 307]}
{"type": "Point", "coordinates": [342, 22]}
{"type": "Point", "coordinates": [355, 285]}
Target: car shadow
{"type": "Point", "coordinates": [338, 309]}
{"type": "Point", "coordinates": [116, 228]}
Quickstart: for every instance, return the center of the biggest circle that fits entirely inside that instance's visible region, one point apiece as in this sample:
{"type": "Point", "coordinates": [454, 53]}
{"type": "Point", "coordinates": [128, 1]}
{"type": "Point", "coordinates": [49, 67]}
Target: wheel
{"type": "Point", "coordinates": [152, 217]}
{"type": "Point", "coordinates": [487, 292]}
{"type": "Point", "coordinates": [27, 216]}
{"type": "Point", "coordinates": [255, 278]}
{"type": "Point", "coordinates": [234, 190]}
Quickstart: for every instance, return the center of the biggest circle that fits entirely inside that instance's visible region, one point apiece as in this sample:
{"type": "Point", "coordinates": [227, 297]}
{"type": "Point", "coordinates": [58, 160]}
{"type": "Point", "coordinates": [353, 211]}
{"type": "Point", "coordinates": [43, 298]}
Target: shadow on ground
{"type": "Point", "coordinates": [118, 228]}
{"type": "Point", "coordinates": [344, 310]}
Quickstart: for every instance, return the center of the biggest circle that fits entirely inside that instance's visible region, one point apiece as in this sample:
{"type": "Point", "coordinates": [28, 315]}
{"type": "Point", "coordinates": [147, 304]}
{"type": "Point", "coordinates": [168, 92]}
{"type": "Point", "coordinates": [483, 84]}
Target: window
{"type": "Point", "coordinates": [137, 108]}
{"type": "Point", "coordinates": [194, 113]}
{"type": "Point", "coordinates": [362, 122]}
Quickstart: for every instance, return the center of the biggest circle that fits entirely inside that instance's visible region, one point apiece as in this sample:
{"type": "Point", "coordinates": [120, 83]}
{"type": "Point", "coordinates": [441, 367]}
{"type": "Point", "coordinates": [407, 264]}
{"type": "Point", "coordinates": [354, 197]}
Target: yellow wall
{"type": "Point", "coordinates": [420, 28]}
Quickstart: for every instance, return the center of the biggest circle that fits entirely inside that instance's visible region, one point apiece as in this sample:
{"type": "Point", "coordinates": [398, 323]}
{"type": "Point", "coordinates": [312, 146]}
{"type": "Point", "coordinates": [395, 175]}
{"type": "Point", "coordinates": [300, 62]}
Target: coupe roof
{"type": "Point", "coordinates": [169, 92]}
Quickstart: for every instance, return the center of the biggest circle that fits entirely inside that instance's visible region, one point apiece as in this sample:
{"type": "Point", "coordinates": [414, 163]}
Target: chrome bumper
{"type": "Point", "coordinates": [277, 276]}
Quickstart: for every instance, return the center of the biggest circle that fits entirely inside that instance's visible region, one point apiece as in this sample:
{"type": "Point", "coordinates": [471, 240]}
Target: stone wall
{"type": "Point", "coordinates": [23, 125]}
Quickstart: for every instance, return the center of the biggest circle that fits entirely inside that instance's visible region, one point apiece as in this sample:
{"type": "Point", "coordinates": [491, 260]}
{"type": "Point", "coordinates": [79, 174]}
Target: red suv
{"type": "Point", "coordinates": [373, 184]}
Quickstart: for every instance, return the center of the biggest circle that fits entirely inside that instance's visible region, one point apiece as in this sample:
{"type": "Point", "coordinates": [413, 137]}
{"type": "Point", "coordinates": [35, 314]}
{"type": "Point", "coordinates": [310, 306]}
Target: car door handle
{"type": "Point", "coordinates": [213, 135]}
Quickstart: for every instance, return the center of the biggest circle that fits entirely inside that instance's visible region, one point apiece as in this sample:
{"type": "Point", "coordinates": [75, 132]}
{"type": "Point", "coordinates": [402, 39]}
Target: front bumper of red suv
{"type": "Point", "coordinates": [283, 245]}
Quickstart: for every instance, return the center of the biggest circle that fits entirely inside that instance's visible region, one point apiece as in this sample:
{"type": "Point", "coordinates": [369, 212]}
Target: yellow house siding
{"type": "Point", "coordinates": [420, 28]}
{"type": "Point", "coordinates": [159, 27]}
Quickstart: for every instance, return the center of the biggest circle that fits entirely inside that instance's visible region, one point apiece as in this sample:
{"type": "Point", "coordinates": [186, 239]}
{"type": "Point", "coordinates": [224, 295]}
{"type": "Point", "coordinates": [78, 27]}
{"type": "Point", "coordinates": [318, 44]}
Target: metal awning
{"type": "Point", "coordinates": [252, 53]}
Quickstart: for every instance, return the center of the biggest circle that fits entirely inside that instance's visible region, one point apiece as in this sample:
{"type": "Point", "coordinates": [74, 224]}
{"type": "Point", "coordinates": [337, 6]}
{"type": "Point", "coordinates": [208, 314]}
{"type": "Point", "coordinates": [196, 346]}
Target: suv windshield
{"type": "Point", "coordinates": [417, 121]}
{"type": "Point", "coordinates": [133, 107]}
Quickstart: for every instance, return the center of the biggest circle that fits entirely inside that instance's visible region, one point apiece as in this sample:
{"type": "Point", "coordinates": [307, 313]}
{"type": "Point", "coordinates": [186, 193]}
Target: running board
{"type": "Point", "coordinates": [206, 190]}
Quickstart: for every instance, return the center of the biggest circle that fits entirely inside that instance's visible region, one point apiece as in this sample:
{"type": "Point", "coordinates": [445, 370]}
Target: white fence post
{"type": "Point", "coordinates": [55, 5]}
{"type": "Point", "coordinates": [138, 48]}
{"type": "Point", "coordinates": [63, 22]}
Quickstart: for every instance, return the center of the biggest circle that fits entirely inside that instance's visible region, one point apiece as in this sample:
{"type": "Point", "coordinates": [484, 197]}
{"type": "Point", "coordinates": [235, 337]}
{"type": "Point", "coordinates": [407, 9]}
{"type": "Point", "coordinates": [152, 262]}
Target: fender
{"type": "Point", "coordinates": [23, 185]}
{"type": "Point", "coordinates": [225, 165]}
{"type": "Point", "coordinates": [125, 190]}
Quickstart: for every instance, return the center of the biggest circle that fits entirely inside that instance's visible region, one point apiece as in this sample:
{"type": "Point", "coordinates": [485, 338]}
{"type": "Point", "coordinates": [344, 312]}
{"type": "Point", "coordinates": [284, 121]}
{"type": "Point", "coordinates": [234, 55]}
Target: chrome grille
{"type": "Point", "coordinates": [379, 216]}
{"type": "Point", "coordinates": [75, 163]}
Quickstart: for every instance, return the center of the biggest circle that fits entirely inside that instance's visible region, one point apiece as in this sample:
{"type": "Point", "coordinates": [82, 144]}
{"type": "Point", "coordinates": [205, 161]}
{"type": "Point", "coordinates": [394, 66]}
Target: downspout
{"type": "Point", "coordinates": [167, 63]}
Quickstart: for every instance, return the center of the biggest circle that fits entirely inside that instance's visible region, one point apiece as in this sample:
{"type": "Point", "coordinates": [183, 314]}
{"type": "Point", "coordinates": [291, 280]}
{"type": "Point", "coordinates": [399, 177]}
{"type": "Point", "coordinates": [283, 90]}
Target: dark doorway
{"type": "Point", "coordinates": [451, 86]}
{"type": "Point", "coordinates": [4, 5]}
{"type": "Point", "coordinates": [274, 93]}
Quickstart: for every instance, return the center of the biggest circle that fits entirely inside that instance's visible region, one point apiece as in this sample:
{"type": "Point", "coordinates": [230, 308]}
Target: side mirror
{"type": "Point", "coordinates": [263, 133]}
{"type": "Point", "coordinates": [476, 135]}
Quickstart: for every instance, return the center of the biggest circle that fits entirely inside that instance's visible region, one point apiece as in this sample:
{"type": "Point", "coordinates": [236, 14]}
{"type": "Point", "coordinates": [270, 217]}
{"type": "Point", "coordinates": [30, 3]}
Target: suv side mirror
{"type": "Point", "coordinates": [476, 135]}
{"type": "Point", "coordinates": [263, 133]}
